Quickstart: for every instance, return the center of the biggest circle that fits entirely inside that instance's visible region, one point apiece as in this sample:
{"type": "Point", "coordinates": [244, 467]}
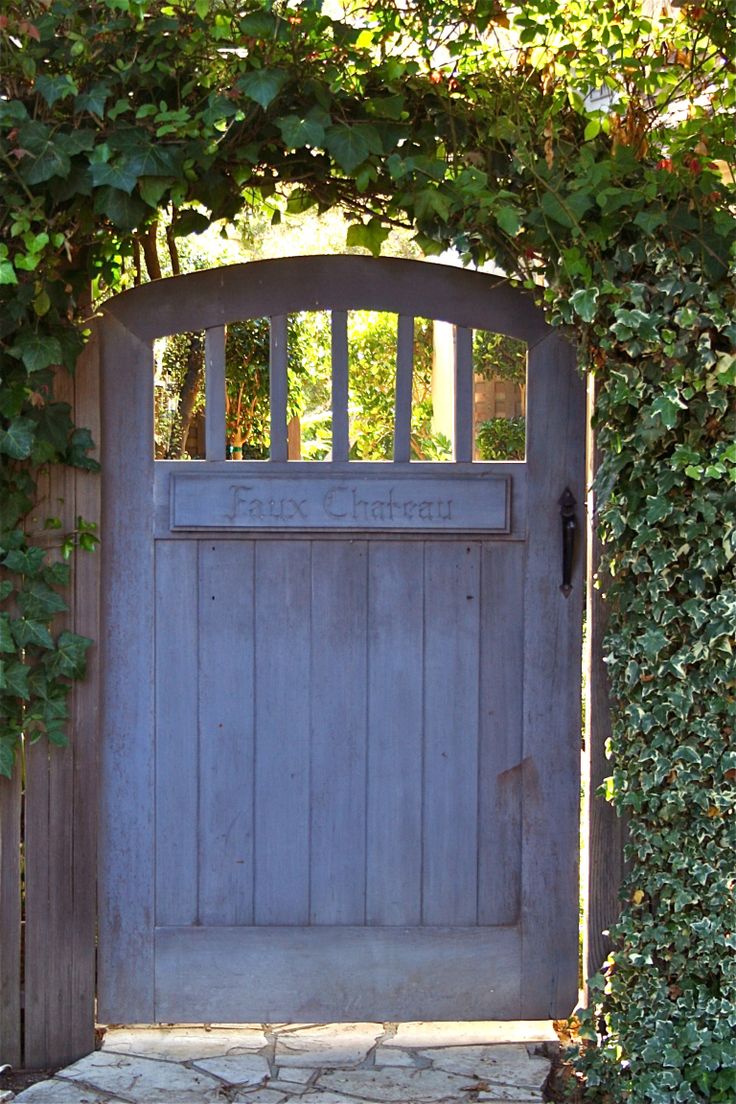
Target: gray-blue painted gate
{"type": "Point", "coordinates": [341, 700]}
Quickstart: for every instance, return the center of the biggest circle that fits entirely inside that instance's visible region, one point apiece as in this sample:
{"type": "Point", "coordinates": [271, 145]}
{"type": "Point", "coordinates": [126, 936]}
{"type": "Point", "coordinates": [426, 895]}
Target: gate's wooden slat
{"type": "Point", "coordinates": [283, 631]}
{"type": "Point", "coordinates": [464, 394]}
{"type": "Point", "coordinates": [262, 974]}
{"type": "Point", "coordinates": [10, 811]}
{"type": "Point", "coordinates": [215, 393]}
{"type": "Point", "coordinates": [340, 424]}
{"type": "Point", "coordinates": [279, 386]}
{"type": "Point", "coordinates": [177, 741]}
{"type": "Point", "coordinates": [450, 819]}
{"type": "Point", "coordinates": [501, 713]}
{"type": "Point", "coordinates": [226, 692]}
{"type": "Point", "coordinates": [338, 728]}
{"type": "Point", "coordinates": [126, 873]}
{"type": "Point", "coordinates": [395, 664]}
{"type": "Point", "coordinates": [404, 369]}
{"type": "Point", "coordinates": [552, 664]}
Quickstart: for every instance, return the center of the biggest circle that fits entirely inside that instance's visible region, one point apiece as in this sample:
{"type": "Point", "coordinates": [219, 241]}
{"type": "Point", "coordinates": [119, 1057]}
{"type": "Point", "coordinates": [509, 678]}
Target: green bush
{"type": "Point", "coordinates": [501, 439]}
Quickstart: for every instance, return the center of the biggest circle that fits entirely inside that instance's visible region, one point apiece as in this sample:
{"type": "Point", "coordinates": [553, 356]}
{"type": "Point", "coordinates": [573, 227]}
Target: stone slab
{"type": "Point", "coordinates": [261, 1096]}
{"type": "Point", "coordinates": [236, 1069]}
{"type": "Point", "coordinates": [472, 1032]}
{"type": "Point", "coordinates": [327, 1045]}
{"type": "Point", "coordinates": [61, 1092]}
{"type": "Point", "coordinates": [401, 1086]}
{"type": "Point", "coordinates": [182, 1044]}
{"type": "Point", "coordinates": [296, 1075]}
{"type": "Point", "coordinates": [144, 1080]}
{"type": "Point", "coordinates": [394, 1057]}
{"type": "Point", "coordinates": [506, 1064]}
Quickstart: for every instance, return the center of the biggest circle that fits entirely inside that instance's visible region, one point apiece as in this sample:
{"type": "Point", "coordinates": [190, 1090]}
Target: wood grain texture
{"type": "Point", "coordinates": [403, 402]}
{"type": "Point", "coordinates": [10, 919]}
{"type": "Point", "coordinates": [501, 724]}
{"type": "Point", "coordinates": [338, 732]}
{"type": "Point", "coordinates": [126, 870]}
{"type": "Point", "coordinates": [214, 344]}
{"type": "Point", "coordinates": [352, 973]}
{"type": "Point", "coordinates": [226, 697]}
{"type": "Point", "coordinates": [278, 387]}
{"type": "Point", "coordinates": [450, 814]}
{"type": "Point", "coordinates": [178, 780]}
{"type": "Point", "coordinates": [606, 831]}
{"type": "Point", "coordinates": [49, 839]}
{"type": "Point", "coordinates": [340, 386]}
{"type": "Point", "coordinates": [395, 715]}
{"type": "Point", "coordinates": [282, 766]}
{"type": "Point", "coordinates": [552, 665]}
{"type": "Point", "coordinates": [464, 395]}
{"type": "Point", "coordinates": [259, 289]}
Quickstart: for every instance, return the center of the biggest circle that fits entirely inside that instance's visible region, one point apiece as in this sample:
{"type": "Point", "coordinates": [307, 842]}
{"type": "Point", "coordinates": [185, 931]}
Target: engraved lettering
{"type": "Point", "coordinates": [360, 507]}
{"type": "Point", "coordinates": [425, 510]}
{"type": "Point", "coordinates": [447, 515]}
{"type": "Point", "coordinates": [330, 506]}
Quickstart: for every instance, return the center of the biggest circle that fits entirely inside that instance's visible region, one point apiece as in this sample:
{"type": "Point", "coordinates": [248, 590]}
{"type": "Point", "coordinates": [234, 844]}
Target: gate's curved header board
{"type": "Point", "coordinates": [203, 300]}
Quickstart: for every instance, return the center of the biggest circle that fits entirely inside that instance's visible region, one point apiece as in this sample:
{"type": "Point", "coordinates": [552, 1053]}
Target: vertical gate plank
{"type": "Point", "coordinates": [395, 665]}
{"type": "Point", "coordinates": [553, 660]}
{"type": "Point", "coordinates": [338, 726]}
{"type": "Point", "coordinates": [451, 628]}
{"type": "Point", "coordinates": [10, 808]}
{"type": "Point", "coordinates": [279, 387]}
{"type": "Point", "coordinates": [606, 830]}
{"type": "Point", "coordinates": [226, 692]}
{"type": "Point", "coordinates": [283, 632]}
{"type": "Point", "coordinates": [177, 736]}
{"type": "Point", "coordinates": [464, 395]}
{"type": "Point", "coordinates": [126, 871]}
{"type": "Point", "coordinates": [340, 386]}
{"type": "Point", "coordinates": [214, 425]}
{"type": "Point", "coordinates": [501, 712]}
{"type": "Point", "coordinates": [404, 368]}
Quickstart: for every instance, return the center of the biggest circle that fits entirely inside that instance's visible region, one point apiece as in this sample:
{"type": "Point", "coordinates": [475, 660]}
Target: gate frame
{"type": "Point", "coordinates": [62, 791]}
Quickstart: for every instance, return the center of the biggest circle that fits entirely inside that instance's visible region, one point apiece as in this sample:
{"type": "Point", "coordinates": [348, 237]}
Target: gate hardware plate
{"type": "Point", "coordinates": [569, 526]}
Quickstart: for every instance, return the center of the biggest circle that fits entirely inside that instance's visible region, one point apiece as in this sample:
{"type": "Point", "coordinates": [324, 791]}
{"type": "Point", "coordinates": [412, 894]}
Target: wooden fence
{"type": "Point", "coordinates": [48, 815]}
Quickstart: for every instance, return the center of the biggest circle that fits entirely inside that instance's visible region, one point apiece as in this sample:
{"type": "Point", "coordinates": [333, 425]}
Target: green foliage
{"type": "Point", "coordinates": [587, 150]}
{"type": "Point", "coordinates": [501, 439]}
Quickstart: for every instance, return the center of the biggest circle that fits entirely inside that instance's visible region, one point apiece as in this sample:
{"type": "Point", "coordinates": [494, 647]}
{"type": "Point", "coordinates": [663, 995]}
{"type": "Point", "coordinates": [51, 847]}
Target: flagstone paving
{"type": "Point", "coordinates": [359, 1063]}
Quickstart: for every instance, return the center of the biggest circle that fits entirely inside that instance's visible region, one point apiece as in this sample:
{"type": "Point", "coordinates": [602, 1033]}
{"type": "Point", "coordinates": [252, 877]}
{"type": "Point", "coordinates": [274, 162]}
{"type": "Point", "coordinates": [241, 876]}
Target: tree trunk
{"type": "Point", "coordinates": [190, 391]}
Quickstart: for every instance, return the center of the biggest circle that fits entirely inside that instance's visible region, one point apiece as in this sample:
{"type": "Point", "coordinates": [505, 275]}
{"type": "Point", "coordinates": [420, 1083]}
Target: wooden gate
{"type": "Point", "coordinates": [341, 700]}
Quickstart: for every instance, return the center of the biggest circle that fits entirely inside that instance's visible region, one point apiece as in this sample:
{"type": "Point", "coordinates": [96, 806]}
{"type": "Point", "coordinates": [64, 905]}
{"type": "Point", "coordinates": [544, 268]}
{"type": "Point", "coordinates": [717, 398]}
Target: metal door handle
{"type": "Point", "coordinates": [569, 526]}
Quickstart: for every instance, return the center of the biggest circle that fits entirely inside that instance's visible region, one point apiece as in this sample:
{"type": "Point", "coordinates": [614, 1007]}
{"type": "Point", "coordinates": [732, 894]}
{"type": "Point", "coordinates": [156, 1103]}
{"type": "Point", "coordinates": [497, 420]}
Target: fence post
{"type": "Point", "coordinates": [605, 841]}
{"type": "Point", "coordinates": [10, 919]}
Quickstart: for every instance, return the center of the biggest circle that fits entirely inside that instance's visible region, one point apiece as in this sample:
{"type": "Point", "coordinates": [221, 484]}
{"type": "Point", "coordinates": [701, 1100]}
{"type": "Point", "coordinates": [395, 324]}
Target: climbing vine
{"type": "Point", "coordinates": [587, 150]}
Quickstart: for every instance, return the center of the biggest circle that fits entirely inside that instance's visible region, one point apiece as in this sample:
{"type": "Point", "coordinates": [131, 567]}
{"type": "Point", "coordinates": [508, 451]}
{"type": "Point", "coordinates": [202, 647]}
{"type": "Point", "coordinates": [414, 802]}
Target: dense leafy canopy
{"type": "Point", "coordinates": [588, 149]}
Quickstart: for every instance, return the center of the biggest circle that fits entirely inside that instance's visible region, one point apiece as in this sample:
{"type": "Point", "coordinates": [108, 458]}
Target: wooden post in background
{"type": "Point", "coordinates": [606, 832]}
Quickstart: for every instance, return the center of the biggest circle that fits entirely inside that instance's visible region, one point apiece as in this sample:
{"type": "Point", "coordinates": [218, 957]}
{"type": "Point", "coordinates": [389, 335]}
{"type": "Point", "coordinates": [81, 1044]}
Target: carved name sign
{"type": "Point", "coordinates": [218, 500]}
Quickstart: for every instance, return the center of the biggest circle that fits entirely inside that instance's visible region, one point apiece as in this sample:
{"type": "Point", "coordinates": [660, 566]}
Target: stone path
{"type": "Point", "coordinates": [357, 1063]}
{"type": "Point", "coordinates": [308, 1063]}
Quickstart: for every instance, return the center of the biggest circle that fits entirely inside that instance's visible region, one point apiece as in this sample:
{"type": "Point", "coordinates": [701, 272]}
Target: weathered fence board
{"type": "Point", "coordinates": [10, 918]}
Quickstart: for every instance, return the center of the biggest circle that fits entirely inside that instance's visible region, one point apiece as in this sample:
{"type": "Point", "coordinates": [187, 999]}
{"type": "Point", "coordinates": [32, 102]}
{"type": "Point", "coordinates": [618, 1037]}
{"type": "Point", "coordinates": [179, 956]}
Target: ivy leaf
{"type": "Point", "coordinates": [653, 641]}
{"type": "Point", "coordinates": [27, 631]}
{"type": "Point", "coordinates": [262, 85]}
{"type": "Point", "coordinates": [53, 89]}
{"type": "Point", "coordinates": [14, 680]}
{"type": "Point", "coordinates": [263, 25]}
{"type": "Point", "coordinates": [7, 754]}
{"type": "Point", "coordinates": [124, 211]}
{"type": "Point", "coordinates": [17, 440]}
{"type": "Point", "coordinates": [24, 561]}
{"type": "Point", "coordinates": [667, 410]}
{"type": "Point", "coordinates": [369, 236]}
{"type": "Point", "coordinates": [115, 176]}
{"type": "Point", "coordinates": [7, 273]}
{"type": "Point", "coordinates": [39, 602]}
{"type": "Point", "coordinates": [69, 658]}
{"type": "Point", "coordinates": [584, 302]}
{"type": "Point", "coordinates": [93, 99]}
{"type": "Point", "coordinates": [508, 219]}
{"type": "Point", "coordinates": [50, 160]}
{"type": "Point", "coordinates": [347, 145]}
{"type": "Point", "coordinates": [37, 351]}
{"type": "Point", "coordinates": [298, 132]}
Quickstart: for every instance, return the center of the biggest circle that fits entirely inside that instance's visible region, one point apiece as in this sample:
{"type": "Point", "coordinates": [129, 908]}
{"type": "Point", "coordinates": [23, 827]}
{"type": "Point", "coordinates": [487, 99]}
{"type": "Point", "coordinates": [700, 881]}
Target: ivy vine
{"type": "Point", "coordinates": [589, 153]}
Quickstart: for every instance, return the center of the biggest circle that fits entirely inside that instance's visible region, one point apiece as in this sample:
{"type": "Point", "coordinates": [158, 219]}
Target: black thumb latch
{"type": "Point", "coordinates": [569, 525]}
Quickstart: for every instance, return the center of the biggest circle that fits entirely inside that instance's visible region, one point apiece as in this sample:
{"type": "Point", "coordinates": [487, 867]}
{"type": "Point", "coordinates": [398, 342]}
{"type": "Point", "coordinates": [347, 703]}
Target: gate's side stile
{"type": "Point", "coordinates": [127, 872]}
{"type": "Point", "coordinates": [10, 804]}
{"type": "Point", "coordinates": [552, 663]}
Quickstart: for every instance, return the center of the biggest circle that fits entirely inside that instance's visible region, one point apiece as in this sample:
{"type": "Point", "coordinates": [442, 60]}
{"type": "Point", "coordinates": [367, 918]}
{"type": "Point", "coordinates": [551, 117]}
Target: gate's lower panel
{"type": "Point", "coordinates": [276, 974]}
